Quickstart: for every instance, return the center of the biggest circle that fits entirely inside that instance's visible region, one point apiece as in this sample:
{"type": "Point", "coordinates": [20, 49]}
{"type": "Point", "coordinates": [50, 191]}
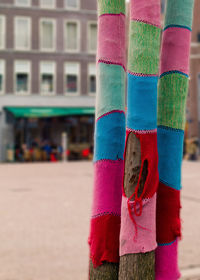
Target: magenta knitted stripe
{"type": "Point", "coordinates": [146, 11]}
{"type": "Point", "coordinates": [176, 44]}
{"type": "Point", "coordinates": [107, 187]}
{"type": "Point", "coordinates": [111, 38]}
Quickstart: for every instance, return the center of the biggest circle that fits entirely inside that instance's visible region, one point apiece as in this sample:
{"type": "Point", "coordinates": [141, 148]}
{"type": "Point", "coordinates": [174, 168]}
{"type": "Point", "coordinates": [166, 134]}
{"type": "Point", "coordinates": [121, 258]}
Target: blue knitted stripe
{"type": "Point", "coordinates": [167, 244]}
{"type": "Point", "coordinates": [173, 72]}
{"type": "Point", "coordinates": [110, 137]}
{"type": "Point", "coordinates": [142, 102]}
{"type": "Point", "coordinates": [170, 147]}
{"type": "Point", "coordinates": [176, 25]}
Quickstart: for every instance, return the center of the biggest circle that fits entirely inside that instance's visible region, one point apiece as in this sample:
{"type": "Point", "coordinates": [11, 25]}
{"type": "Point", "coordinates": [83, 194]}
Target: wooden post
{"type": "Point", "coordinates": [138, 230]}
{"type": "Point", "coordinates": [172, 99]}
{"type": "Point", "coordinates": [107, 271]}
{"type": "Point", "coordinates": [142, 265]}
{"type": "Point", "coordinates": [109, 141]}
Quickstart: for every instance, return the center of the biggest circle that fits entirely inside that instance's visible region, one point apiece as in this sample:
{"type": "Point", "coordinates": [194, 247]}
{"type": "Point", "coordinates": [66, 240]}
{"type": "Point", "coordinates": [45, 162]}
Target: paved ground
{"type": "Point", "coordinates": [44, 216]}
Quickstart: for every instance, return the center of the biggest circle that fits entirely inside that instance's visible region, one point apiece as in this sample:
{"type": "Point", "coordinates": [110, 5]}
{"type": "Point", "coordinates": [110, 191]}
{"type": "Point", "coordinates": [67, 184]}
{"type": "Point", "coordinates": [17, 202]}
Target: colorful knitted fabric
{"type": "Point", "coordinates": [172, 94]}
{"type": "Point", "coordinates": [109, 133]}
{"type": "Point", "coordinates": [138, 220]}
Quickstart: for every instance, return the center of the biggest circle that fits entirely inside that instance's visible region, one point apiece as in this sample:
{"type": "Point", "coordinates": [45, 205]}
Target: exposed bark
{"type": "Point", "coordinates": [135, 266]}
{"type": "Point", "coordinates": [107, 271]}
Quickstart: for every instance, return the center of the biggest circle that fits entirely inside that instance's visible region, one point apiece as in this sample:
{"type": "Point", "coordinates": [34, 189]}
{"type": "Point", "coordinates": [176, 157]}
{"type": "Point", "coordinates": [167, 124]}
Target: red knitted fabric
{"type": "Point", "coordinates": [148, 143]}
{"type": "Point", "coordinates": [168, 224]}
{"type": "Point", "coordinates": [104, 239]}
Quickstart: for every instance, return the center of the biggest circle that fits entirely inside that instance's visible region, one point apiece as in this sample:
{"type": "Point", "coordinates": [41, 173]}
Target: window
{"type": "Point", "coordinates": [22, 33]}
{"type": "Point", "coordinates": [22, 77]}
{"type": "Point", "coordinates": [198, 37]}
{"type": "Point", "coordinates": [72, 4]}
{"type": "Point", "coordinates": [2, 76]}
{"type": "Point", "coordinates": [162, 6]}
{"type": "Point", "coordinates": [22, 3]}
{"type": "Point", "coordinates": [47, 77]}
{"type": "Point", "coordinates": [47, 34]}
{"type": "Point", "coordinates": [72, 36]}
{"type": "Point", "coordinates": [2, 32]}
{"type": "Point", "coordinates": [72, 71]}
{"type": "Point", "coordinates": [47, 3]}
{"type": "Point", "coordinates": [92, 47]}
{"type": "Point", "coordinates": [92, 78]}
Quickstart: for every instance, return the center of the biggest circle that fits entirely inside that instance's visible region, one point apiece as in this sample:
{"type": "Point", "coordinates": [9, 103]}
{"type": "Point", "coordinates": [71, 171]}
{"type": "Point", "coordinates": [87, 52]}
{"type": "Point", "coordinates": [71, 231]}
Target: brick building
{"type": "Point", "coordinates": [47, 72]}
{"type": "Point", "coordinates": [193, 106]}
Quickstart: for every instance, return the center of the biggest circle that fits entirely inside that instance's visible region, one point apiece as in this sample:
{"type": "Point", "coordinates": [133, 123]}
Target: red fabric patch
{"type": "Point", "coordinates": [149, 153]}
{"type": "Point", "coordinates": [168, 224]}
{"type": "Point", "coordinates": [104, 239]}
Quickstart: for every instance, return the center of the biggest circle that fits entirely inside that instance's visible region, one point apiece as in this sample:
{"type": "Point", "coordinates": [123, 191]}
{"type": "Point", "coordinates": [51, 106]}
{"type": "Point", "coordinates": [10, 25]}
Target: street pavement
{"type": "Point", "coordinates": [44, 216]}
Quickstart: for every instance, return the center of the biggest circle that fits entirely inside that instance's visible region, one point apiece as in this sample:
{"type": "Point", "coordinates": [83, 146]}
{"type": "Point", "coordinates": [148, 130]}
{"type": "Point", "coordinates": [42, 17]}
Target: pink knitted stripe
{"type": "Point", "coordinates": [176, 44]}
{"type": "Point", "coordinates": [111, 38]}
{"type": "Point", "coordinates": [141, 74]}
{"type": "Point", "coordinates": [146, 11]}
{"type": "Point", "coordinates": [107, 187]}
{"type": "Point", "coordinates": [111, 62]}
{"type": "Point", "coordinates": [142, 131]}
{"type": "Point", "coordinates": [111, 112]}
{"type": "Point", "coordinates": [144, 225]}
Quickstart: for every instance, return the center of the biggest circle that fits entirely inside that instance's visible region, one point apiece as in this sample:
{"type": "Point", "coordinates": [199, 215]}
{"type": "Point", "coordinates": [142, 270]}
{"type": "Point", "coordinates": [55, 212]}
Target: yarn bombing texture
{"type": "Point", "coordinates": [109, 133]}
{"type": "Point", "coordinates": [138, 219]}
{"type": "Point", "coordinates": [172, 94]}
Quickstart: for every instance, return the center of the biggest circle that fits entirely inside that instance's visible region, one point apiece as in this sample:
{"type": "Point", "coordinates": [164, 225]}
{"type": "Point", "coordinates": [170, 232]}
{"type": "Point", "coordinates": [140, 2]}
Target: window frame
{"type": "Point", "coordinates": [3, 18]}
{"type": "Point", "coordinates": [2, 92]}
{"type": "Point", "coordinates": [54, 78]}
{"type": "Point", "coordinates": [47, 7]}
{"type": "Point", "coordinates": [88, 80]}
{"type": "Point", "coordinates": [53, 21]}
{"type": "Point", "coordinates": [71, 8]}
{"type": "Point", "coordinates": [29, 78]}
{"type": "Point", "coordinates": [29, 20]}
{"type": "Point", "coordinates": [26, 5]}
{"type": "Point", "coordinates": [78, 79]}
{"type": "Point", "coordinates": [90, 22]}
{"type": "Point", "coordinates": [78, 36]}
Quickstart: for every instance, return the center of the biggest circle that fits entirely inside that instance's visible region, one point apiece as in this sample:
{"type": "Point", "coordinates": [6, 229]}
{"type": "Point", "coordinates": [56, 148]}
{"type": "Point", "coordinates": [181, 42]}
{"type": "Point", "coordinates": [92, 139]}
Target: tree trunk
{"type": "Point", "coordinates": [109, 141]}
{"type": "Point", "coordinates": [107, 271]}
{"type": "Point", "coordinates": [142, 265]}
{"type": "Point", "coordinates": [137, 266]}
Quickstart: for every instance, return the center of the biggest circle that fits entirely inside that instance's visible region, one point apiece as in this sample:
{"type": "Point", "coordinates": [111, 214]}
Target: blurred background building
{"type": "Point", "coordinates": [47, 78]}
{"type": "Point", "coordinates": [193, 108]}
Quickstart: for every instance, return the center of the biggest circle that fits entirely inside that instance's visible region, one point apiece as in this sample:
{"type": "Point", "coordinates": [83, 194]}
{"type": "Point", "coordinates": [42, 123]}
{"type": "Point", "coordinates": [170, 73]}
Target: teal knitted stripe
{"type": "Point", "coordinates": [111, 86]}
{"type": "Point", "coordinates": [179, 12]}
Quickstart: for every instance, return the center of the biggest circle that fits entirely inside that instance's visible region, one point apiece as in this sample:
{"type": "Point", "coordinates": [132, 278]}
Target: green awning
{"type": "Point", "coordinates": [45, 112]}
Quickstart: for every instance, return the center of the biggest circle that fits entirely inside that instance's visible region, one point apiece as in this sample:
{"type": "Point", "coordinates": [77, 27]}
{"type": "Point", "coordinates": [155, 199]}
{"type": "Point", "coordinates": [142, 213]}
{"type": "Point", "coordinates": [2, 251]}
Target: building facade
{"type": "Point", "coordinates": [193, 106]}
{"type": "Point", "coordinates": [47, 72]}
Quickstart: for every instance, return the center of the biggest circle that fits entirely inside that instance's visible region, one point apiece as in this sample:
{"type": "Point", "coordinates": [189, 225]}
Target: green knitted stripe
{"type": "Point", "coordinates": [172, 95]}
{"type": "Point", "coordinates": [110, 89]}
{"type": "Point", "coordinates": [144, 46]}
{"type": "Point", "coordinates": [179, 12]}
{"type": "Point", "coordinates": [111, 7]}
